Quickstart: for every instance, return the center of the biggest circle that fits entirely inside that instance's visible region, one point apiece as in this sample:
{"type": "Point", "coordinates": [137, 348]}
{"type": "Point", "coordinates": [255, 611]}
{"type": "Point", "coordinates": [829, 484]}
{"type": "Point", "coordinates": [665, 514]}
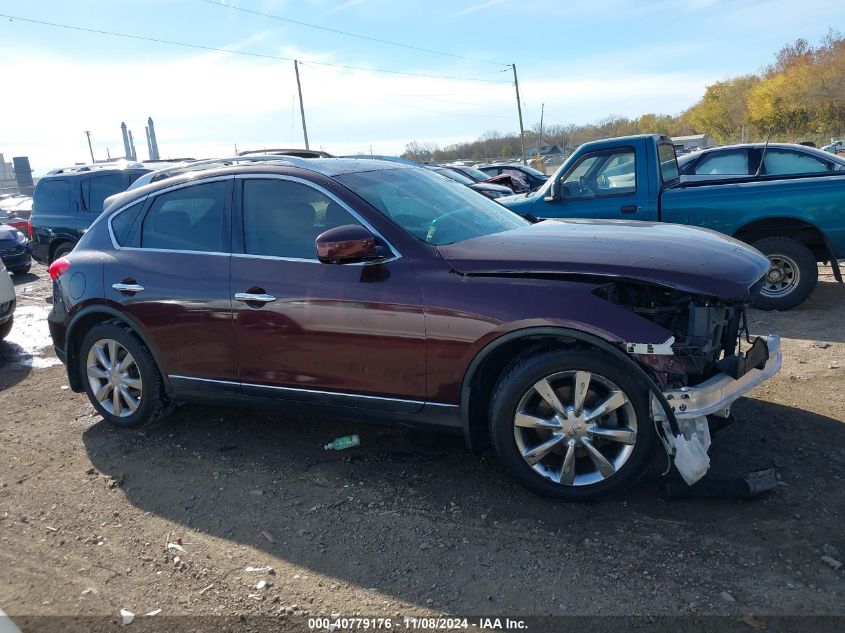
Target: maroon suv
{"type": "Point", "coordinates": [387, 291]}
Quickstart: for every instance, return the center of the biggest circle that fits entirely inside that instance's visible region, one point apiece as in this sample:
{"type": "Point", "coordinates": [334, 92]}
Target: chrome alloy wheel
{"type": "Point", "coordinates": [114, 377]}
{"type": "Point", "coordinates": [782, 278]}
{"type": "Point", "coordinates": [575, 428]}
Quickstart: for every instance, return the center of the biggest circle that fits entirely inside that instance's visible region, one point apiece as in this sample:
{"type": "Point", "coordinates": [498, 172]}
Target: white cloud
{"type": "Point", "coordinates": [204, 104]}
{"type": "Point", "coordinates": [474, 8]}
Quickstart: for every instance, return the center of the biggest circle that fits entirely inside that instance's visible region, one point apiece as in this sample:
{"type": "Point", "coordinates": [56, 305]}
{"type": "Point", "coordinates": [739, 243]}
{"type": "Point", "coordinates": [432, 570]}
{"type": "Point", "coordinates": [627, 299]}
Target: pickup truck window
{"type": "Point", "coordinates": [732, 163]}
{"type": "Point", "coordinates": [601, 174]}
{"type": "Point", "coordinates": [668, 162]}
{"type": "Point", "coordinates": [781, 162]}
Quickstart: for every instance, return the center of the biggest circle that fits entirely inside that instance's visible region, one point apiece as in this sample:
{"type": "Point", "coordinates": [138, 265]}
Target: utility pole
{"type": "Point", "coordinates": [90, 149]}
{"type": "Point", "coordinates": [540, 139]}
{"type": "Point", "coordinates": [519, 109]}
{"type": "Point", "coordinates": [301, 106]}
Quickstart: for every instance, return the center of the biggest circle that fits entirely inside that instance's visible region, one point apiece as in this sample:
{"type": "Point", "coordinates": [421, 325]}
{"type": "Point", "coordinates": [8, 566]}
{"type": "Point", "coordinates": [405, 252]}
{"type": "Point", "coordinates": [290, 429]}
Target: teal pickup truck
{"type": "Point", "coordinates": [796, 221]}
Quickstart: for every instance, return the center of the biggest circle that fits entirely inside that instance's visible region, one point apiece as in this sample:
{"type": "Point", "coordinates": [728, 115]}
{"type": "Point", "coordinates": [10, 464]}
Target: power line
{"type": "Point", "coordinates": [246, 53]}
{"type": "Point", "coordinates": [356, 35]}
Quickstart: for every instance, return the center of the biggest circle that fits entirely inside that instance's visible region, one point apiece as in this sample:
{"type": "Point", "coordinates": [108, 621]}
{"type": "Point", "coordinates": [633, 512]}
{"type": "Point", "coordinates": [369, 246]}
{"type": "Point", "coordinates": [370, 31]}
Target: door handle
{"type": "Point", "coordinates": [131, 288]}
{"type": "Point", "coordinates": [629, 208]}
{"type": "Point", "coordinates": [248, 297]}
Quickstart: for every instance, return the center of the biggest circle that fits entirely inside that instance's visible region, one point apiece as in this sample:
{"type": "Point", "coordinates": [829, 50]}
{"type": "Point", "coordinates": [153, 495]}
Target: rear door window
{"type": "Point", "coordinates": [734, 163]}
{"type": "Point", "coordinates": [187, 219]}
{"type": "Point", "coordinates": [97, 188]}
{"type": "Point", "coordinates": [52, 196]}
{"type": "Point", "coordinates": [778, 162]}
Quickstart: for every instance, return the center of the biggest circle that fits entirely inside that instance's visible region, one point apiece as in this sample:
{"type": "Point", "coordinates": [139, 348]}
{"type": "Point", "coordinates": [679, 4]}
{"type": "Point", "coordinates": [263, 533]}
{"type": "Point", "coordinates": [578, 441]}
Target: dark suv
{"type": "Point", "coordinates": [387, 292]}
{"type": "Point", "coordinates": [67, 201]}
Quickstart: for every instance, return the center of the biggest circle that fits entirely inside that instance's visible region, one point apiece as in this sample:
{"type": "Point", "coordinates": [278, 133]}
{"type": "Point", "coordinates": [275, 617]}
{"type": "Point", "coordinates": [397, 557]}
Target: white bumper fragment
{"type": "Point", "coordinates": [715, 395]}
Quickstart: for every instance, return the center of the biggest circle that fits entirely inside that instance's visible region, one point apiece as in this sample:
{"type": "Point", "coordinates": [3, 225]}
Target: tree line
{"type": "Point", "coordinates": [800, 97]}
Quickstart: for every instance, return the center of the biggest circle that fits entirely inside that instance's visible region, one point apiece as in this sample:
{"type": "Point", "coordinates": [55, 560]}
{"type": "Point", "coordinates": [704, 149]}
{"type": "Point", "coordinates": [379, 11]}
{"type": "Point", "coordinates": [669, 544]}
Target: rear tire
{"type": "Point", "coordinates": [792, 276]}
{"type": "Point", "coordinates": [601, 447]}
{"type": "Point", "coordinates": [6, 328]}
{"type": "Point", "coordinates": [22, 271]}
{"type": "Point", "coordinates": [61, 250]}
{"type": "Point", "coordinates": [121, 377]}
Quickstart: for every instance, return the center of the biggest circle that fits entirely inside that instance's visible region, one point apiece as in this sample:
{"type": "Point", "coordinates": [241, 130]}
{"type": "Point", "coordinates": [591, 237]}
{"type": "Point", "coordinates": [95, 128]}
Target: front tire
{"type": "Point", "coordinates": [121, 377]}
{"type": "Point", "coordinates": [792, 276]}
{"type": "Point", "coordinates": [6, 328]}
{"type": "Point", "coordinates": [572, 424]}
{"type": "Point", "coordinates": [22, 271]}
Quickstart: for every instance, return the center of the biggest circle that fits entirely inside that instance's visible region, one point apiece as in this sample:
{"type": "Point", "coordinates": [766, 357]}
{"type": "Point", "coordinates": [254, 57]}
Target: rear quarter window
{"type": "Point", "coordinates": [52, 196]}
{"type": "Point", "coordinates": [122, 224]}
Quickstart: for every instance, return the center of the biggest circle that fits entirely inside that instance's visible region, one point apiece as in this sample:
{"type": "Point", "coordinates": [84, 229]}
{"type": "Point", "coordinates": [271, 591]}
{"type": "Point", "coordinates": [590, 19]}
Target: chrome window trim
{"type": "Point", "coordinates": [313, 391]}
{"type": "Point", "coordinates": [181, 185]}
{"type": "Point", "coordinates": [396, 254]}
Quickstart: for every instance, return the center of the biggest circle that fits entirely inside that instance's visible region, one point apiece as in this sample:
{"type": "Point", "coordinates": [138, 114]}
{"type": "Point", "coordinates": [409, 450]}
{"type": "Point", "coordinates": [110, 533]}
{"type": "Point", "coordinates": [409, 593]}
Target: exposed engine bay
{"type": "Point", "coordinates": [708, 332]}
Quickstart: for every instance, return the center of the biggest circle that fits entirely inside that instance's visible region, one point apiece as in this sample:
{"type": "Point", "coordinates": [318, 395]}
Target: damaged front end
{"type": "Point", "coordinates": [707, 363]}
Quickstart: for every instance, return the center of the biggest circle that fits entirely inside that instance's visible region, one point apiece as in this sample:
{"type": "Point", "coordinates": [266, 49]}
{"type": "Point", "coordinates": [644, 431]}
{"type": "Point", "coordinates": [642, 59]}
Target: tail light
{"type": "Point", "coordinates": [58, 268]}
{"type": "Point", "coordinates": [29, 228]}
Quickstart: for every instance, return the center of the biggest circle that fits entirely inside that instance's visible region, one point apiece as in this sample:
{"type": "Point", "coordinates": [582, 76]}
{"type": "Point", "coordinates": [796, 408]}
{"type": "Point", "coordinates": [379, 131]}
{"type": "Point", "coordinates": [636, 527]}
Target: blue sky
{"type": "Point", "coordinates": [584, 60]}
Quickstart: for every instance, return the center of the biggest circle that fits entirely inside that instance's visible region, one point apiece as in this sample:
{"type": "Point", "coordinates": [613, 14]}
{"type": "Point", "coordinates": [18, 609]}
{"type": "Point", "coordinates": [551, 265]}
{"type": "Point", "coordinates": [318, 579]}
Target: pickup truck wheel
{"type": "Point", "coordinates": [121, 377]}
{"type": "Point", "coordinates": [792, 276]}
{"type": "Point", "coordinates": [573, 425]}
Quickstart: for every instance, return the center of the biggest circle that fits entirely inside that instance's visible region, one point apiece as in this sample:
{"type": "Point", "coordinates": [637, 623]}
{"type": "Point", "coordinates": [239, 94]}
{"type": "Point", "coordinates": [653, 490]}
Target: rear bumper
{"type": "Point", "coordinates": [715, 395]}
{"type": "Point", "coordinates": [17, 261]}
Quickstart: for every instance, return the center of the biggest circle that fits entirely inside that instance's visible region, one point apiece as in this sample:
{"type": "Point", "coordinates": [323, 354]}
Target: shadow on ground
{"type": "Point", "coordinates": [367, 515]}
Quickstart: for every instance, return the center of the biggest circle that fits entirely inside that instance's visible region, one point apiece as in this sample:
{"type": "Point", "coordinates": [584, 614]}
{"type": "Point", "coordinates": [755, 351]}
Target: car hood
{"type": "Point", "coordinates": [692, 260]}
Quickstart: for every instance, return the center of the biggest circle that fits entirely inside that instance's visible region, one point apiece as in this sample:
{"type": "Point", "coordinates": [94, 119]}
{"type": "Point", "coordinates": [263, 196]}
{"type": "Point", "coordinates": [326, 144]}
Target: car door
{"type": "Point", "coordinates": [350, 334]}
{"type": "Point", "coordinates": [171, 276]}
{"type": "Point", "coordinates": [604, 184]}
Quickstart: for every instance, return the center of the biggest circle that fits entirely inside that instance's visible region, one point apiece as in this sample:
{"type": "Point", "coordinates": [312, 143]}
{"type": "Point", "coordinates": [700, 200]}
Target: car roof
{"type": "Point", "coordinates": [329, 167]}
{"type": "Point", "coordinates": [791, 146]}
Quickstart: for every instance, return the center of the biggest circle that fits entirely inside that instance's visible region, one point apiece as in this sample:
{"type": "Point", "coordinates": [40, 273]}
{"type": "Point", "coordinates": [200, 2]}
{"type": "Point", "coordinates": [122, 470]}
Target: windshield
{"type": "Point", "coordinates": [472, 172]}
{"type": "Point", "coordinates": [534, 172]}
{"type": "Point", "coordinates": [451, 173]}
{"type": "Point", "coordinates": [435, 210]}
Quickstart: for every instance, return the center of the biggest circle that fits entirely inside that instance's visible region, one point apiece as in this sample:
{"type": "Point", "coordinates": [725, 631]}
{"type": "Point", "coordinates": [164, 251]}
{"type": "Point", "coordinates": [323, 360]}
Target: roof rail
{"type": "Point", "coordinates": [215, 163]}
{"type": "Point", "coordinates": [118, 164]}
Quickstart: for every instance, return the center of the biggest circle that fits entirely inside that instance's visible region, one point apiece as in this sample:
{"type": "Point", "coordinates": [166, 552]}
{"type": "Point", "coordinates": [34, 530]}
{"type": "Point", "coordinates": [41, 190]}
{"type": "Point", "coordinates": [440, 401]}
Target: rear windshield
{"type": "Point", "coordinates": [435, 210]}
{"type": "Point", "coordinates": [52, 196]}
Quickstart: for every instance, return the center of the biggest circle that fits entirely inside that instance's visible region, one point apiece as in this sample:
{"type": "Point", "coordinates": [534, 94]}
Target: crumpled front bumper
{"type": "Point", "coordinates": [715, 395]}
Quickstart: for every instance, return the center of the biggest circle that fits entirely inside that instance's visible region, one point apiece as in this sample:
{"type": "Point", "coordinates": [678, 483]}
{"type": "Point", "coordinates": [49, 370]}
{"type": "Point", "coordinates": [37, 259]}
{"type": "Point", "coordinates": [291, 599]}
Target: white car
{"type": "Point", "coordinates": [7, 302]}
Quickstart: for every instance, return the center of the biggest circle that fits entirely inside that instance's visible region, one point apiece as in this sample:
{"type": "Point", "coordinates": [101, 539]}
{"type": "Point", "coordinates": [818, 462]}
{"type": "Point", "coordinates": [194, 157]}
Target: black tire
{"type": "Point", "coordinates": [154, 406]}
{"type": "Point", "coordinates": [6, 328]}
{"type": "Point", "coordinates": [804, 261]}
{"type": "Point", "coordinates": [22, 271]}
{"type": "Point", "coordinates": [61, 250]}
{"type": "Point", "coordinates": [517, 381]}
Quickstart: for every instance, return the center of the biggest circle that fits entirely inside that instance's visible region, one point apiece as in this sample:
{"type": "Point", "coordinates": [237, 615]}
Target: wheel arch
{"type": "Point", "coordinates": [792, 227]}
{"type": "Point", "coordinates": [56, 243]}
{"type": "Point", "coordinates": [87, 318]}
{"type": "Point", "coordinates": [489, 363]}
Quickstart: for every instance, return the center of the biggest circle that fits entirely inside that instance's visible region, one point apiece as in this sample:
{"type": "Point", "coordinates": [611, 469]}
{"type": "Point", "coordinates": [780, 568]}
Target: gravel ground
{"type": "Point", "coordinates": [408, 523]}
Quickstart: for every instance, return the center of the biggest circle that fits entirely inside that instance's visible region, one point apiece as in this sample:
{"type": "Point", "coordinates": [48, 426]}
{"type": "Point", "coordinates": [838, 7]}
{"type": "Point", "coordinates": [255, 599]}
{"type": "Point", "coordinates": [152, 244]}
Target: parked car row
{"type": "Point", "coordinates": [383, 290]}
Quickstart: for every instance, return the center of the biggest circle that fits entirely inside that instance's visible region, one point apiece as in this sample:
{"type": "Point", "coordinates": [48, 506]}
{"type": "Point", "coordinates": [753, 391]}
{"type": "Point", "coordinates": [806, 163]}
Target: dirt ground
{"type": "Point", "coordinates": [408, 523]}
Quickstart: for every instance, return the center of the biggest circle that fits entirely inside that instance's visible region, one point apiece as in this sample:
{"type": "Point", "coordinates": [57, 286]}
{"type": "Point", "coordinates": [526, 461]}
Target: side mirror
{"type": "Point", "coordinates": [345, 244]}
{"type": "Point", "coordinates": [553, 194]}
